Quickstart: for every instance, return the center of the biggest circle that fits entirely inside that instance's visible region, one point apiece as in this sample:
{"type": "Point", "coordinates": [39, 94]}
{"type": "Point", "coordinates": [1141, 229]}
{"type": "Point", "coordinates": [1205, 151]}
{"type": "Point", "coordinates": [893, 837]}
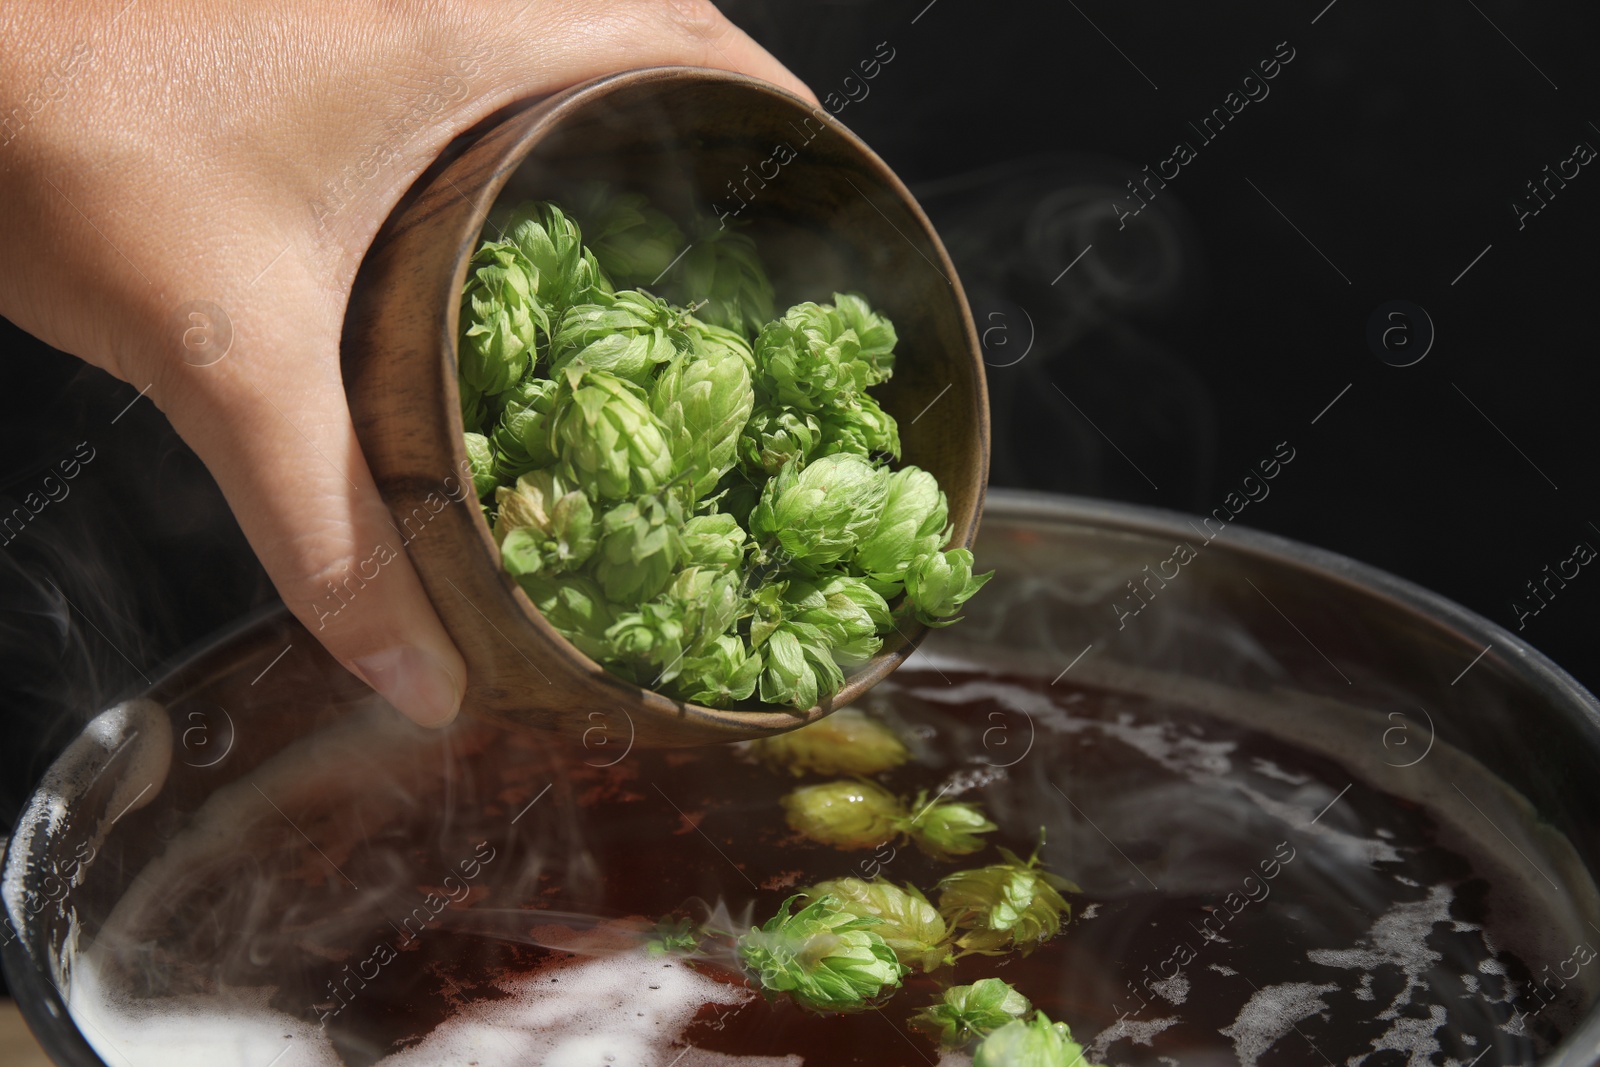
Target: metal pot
{"type": "Point", "coordinates": [1413, 700]}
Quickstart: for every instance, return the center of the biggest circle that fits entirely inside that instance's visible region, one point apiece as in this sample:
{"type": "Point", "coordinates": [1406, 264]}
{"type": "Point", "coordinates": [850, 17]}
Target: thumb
{"type": "Point", "coordinates": [267, 414]}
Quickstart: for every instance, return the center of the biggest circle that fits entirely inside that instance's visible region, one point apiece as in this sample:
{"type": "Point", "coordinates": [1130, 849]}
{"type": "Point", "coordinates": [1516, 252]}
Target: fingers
{"type": "Point", "coordinates": [270, 421]}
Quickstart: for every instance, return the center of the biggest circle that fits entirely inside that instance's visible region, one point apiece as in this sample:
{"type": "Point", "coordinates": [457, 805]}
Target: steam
{"type": "Point", "coordinates": [119, 552]}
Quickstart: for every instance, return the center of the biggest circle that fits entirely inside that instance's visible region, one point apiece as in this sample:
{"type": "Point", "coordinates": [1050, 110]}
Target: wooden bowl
{"type": "Point", "coordinates": [827, 215]}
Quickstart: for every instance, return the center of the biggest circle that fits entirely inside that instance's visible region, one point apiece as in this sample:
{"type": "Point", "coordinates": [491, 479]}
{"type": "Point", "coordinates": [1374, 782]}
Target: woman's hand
{"type": "Point", "coordinates": [173, 172]}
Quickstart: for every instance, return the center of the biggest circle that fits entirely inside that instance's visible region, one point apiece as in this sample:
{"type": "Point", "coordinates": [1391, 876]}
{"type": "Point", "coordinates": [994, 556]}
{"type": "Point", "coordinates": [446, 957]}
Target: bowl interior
{"type": "Point", "coordinates": [827, 216]}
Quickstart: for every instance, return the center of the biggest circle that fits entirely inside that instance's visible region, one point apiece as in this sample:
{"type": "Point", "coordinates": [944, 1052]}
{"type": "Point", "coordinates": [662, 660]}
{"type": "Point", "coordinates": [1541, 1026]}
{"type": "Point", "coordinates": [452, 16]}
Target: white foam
{"type": "Point", "coordinates": [1174, 989]}
{"type": "Point", "coordinates": [625, 1009]}
{"type": "Point", "coordinates": [1398, 938]}
{"type": "Point", "coordinates": [1416, 1038]}
{"type": "Point", "coordinates": [1140, 1032]}
{"type": "Point", "coordinates": [1270, 1015]}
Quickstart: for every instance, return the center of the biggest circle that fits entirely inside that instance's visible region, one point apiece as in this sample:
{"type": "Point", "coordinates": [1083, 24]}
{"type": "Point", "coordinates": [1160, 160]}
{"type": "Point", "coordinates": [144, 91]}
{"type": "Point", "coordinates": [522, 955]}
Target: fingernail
{"type": "Point", "coordinates": [414, 682]}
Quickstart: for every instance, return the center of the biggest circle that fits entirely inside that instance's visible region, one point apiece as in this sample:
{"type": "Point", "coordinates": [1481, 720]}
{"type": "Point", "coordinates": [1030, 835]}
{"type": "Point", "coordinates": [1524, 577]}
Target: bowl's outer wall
{"type": "Point", "coordinates": [688, 136]}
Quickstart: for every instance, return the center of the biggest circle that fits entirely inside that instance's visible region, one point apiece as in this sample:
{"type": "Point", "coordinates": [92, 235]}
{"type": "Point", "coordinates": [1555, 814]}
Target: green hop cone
{"type": "Point", "coordinates": [608, 441]}
{"type": "Point", "coordinates": [775, 436]}
{"type": "Point", "coordinates": [825, 958]}
{"type": "Point", "coordinates": [859, 425]}
{"type": "Point", "coordinates": [575, 606]}
{"type": "Point", "coordinates": [654, 640]}
{"type": "Point", "coordinates": [715, 540]}
{"type": "Point", "coordinates": [640, 548]}
{"type": "Point", "coordinates": [818, 514]}
{"type": "Point", "coordinates": [630, 335]}
{"type": "Point", "coordinates": [967, 1012]}
{"type": "Point", "coordinates": [553, 244]}
{"type": "Point", "coordinates": [844, 814]}
{"type": "Point", "coordinates": [845, 743]}
{"type": "Point", "coordinates": [946, 829]}
{"type": "Point", "coordinates": [480, 454]}
{"type": "Point", "coordinates": [723, 672]}
{"type": "Point", "coordinates": [914, 515]}
{"type": "Point", "coordinates": [939, 583]}
{"type": "Point", "coordinates": [710, 341]}
{"type": "Point", "coordinates": [501, 318]}
{"type": "Point", "coordinates": [840, 612]}
{"type": "Point", "coordinates": [548, 523]}
{"type": "Point", "coordinates": [910, 925]}
{"type": "Point", "coordinates": [522, 436]}
{"type": "Point", "coordinates": [1035, 1043]}
{"type": "Point", "coordinates": [816, 356]}
{"type": "Point", "coordinates": [874, 334]}
{"type": "Point", "coordinates": [805, 362]}
{"type": "Point", "coordinates": [703, 402]}
{"type": "Point", "coordinates": [1005, 906]}
{"type": "Point", "coordinates": [797, 668]}
{"type": "Point", "coordinates": [633, 241]}
{"type": "Point", "coordinates": [723, 282]}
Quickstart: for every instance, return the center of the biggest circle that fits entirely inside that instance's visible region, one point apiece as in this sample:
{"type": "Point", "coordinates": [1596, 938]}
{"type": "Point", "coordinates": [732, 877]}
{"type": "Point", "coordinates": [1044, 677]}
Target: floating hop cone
{"type": "Point", "coordinates": [819, 513]}
{"type": "Point", "coordinates": [1035, 1043]}
{"type": "Point", "coordinates": [845, 743]}
{"type": "Point", "coordinates": [910, 925]}
{"type": "Point", "coordinates": [825, 958]}
{"type": "Point", "coordinates": [846, 814]}
{"type": "Point", "coordinates": [608, 441]}
{"type": "Point", "coordinates": [946, 829]}
{"type": "Point", "coordinates": [966, 1013]}
{"type": "Point", "coordinates": [633, 242]}
{"type": "Point", "coordinates": [1005, 906]}
{"type": "Point", "coordinates": [630, 336]}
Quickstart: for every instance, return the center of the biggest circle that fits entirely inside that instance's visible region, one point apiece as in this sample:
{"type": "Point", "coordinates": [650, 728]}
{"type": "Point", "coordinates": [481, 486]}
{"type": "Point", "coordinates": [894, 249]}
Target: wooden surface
{"type": "Point", "coordinates": [832, 214]}
{"type": "Point", "coordinates": [17, 1046]}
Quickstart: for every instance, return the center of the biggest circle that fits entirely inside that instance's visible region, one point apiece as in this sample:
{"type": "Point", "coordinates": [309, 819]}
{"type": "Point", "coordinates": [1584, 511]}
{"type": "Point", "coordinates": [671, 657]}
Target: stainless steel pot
{"type": "Point", "coordinates": [1412, 697]}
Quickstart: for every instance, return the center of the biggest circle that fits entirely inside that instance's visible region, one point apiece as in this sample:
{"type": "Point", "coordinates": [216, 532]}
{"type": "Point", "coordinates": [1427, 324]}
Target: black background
{"type": "Point", "coordinates": [1221, 321]}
